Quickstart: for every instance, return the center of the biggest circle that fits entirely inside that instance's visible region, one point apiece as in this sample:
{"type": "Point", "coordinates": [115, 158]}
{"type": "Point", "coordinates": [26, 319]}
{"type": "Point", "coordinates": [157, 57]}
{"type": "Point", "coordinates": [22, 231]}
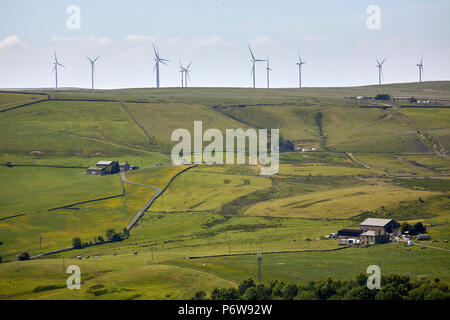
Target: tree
{"type": "Point", "coordinates": [250, 294]}
{"type": "Point", "coordinates": [1, 259]}
{"type": "Point", "coordinates": [23, 256]}
{"type": "Point", "coordinates": [110, 233]}
{"type": "Point", "coordinates": [76, 243]}
{"type": "Point", "coordinates": [383, 96]}
{"type": "Point", "coordinates": [405, 227]}
{"type": "Point", "coordinates": [418, 228]}
{"type": "Point", "coordinates": [291, 292]}
{"type": "Point", "coordinates": [199, 295]}
{"type": "Point", "coordinates": [100, 239]}
{"type": "Point", "coordinates": [114, 168]}
{"type": "Point", "coordinates": [125, 232]}
{"type": "Point", "coordinates": [244, 285]}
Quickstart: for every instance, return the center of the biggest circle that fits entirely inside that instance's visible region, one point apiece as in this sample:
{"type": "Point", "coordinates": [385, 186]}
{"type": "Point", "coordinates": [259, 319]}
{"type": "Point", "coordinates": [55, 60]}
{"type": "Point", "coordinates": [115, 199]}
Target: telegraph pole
{"type": "Point", "coordinates": [259, 266]}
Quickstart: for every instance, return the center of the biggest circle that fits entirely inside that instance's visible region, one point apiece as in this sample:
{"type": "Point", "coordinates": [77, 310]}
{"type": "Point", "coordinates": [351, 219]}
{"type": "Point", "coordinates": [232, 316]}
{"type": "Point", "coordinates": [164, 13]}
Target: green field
{"type": "Point", "coordinates": [370, 162]}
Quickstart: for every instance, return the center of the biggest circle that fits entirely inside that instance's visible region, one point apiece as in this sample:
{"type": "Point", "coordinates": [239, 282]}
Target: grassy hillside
{"type": "Point", "coordinates": [372, 162]}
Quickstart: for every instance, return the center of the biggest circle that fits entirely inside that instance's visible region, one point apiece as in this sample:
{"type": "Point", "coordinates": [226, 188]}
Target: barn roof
{"type": "Point", "coordinates": [104, 163]}
{"type": "Point", "coordinates": [375, 222]}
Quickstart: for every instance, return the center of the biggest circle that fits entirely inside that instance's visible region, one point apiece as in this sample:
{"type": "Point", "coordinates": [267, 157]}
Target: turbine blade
{"type": "Point", "coordinates": [96, 58]}
{"type": "Point", "coordinates": [253, 57]}
{"type": "Point", "coordinates": [154, 49]}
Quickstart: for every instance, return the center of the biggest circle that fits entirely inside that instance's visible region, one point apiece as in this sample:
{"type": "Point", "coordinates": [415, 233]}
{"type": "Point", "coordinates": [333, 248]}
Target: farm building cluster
{"type": "Point", "coordinates": [110, 167]}
{"type": "Point", "coordinates": [371, 231]}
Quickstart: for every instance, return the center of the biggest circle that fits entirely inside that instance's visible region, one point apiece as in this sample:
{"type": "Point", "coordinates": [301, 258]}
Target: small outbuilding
{"type": "Point", "coordinates": [348, 236]}
{"type": "Point", "coordinates": [95, 171]}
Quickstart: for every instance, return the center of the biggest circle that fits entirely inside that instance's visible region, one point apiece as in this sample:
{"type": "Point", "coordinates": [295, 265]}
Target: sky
{"type": "Point", "coordinates": [333, 37]}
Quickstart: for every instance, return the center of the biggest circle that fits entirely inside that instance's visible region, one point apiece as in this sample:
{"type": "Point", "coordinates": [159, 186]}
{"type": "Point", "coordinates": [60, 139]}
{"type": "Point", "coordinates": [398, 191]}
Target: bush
{"type": "Point", "coordinates": [414, 229]}
{"type": "Point", "coordinates": [1, 259]}
{"type": "Point", "coordinates": [199, 295]}
{"type": "Point", "coordinates": [112, 235]}
{"type": "Point", "coordinates": [418, 228]}
{"type": "Point", "coordinates": [76, 243]}
{"type": "Point", "coordinates": [383, 96]}
{"type": "Point", "coordinates": [23, 256]}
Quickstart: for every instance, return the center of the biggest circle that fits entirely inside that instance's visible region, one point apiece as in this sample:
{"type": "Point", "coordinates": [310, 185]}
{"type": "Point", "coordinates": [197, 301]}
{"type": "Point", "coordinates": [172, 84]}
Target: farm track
{"type": "Point", "coordinates": [148, 204]}
{"type": "Point", "coordinates": [135, 218]}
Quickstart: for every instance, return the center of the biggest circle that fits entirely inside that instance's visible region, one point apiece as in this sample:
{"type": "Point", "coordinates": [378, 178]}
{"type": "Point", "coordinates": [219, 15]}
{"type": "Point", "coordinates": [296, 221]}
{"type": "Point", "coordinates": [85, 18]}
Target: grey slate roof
{"type": "Point", "coordinates": [375, 222]}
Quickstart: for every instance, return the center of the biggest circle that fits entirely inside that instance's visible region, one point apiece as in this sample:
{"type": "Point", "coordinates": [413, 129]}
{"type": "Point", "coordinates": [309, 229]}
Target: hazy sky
{"type": "Point", "coordinates": [332, 36]}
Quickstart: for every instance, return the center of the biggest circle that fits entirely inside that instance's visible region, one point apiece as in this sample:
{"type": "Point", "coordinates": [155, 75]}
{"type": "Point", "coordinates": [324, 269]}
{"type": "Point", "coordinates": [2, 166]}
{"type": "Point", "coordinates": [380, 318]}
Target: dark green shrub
{"type": "Point", "coordinates": [76, 243]}
{"type": "Point", "coordinates": [23, 256]}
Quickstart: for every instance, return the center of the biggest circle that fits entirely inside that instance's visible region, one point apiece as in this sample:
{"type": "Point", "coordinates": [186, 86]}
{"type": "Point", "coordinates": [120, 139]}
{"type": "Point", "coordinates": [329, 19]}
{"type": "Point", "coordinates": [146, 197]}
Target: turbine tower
{"type": "Point", "coordinates": [253, 61]}
{"type": "Point", "coordinates": [92, 69]}
{"type": "Point", "coordinates": [184, 73]}
{"type": "Point", "coordinates": [380, 69]}
{"type": "Point", "coordinates": [300, 63]}
{"type": "Point", "coordinates": [55, 68]}
{"type": "Point", "coordinates": [420, 66]}
{"type": "Point", "coordinates": [268, 73]}
{"type": "Point", "coordinates": [158, 60]}
{"type": "Point", "coordinates": [180, 66]}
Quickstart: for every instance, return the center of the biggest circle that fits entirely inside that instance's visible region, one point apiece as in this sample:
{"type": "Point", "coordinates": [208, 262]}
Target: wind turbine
{"type": "Point", "coordinates": [55, 68]}
{"type": "Point", "coordinates": [380, 69]}
{"type": "Point", "coordinates": [254, 60]}
{"type": "Point", "coordinates": [268, 73]}
{"type": "Point", "coordinates": [92, 69]}
{"type": "Point", "coordinates": [158, 60]}
{"type": "Point", "coordinates": [300, 63]}
{"type": "Point", "coordinates": [180, 66]}
{"type": "Point", "coordinates": [420, 66]}
{"type": "Point", "coordinates": [186, 74]}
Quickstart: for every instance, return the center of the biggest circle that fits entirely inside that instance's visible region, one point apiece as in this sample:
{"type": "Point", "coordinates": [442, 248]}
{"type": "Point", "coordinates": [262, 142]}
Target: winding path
{"type": "Point", "coordinates": [141, 212]}
{"type": "Point", "coordinates": [147, 205]}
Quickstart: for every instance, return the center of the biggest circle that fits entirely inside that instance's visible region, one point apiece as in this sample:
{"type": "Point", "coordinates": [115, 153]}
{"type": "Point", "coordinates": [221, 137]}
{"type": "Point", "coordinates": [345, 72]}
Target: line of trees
{"type": "Point", "coordinates": [414, 229]}
{"type": "Point", "coordinates": [393, 287]}
{"type": "Point", "coordinates": [111, 235]}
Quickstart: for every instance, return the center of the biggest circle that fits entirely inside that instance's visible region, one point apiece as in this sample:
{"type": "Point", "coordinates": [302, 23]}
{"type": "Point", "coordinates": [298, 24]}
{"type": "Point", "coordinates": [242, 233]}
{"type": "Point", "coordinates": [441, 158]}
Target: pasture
{"type": "Point", "coordinates": [370, 162]}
